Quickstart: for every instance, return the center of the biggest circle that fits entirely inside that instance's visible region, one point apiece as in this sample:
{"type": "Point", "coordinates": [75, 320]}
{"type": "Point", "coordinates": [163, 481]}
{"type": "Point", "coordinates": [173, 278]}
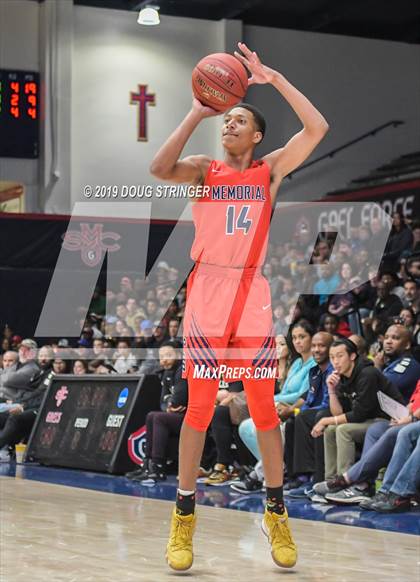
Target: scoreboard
{"type": "Point", "coordinates": [85, 422]}
{"type": "Point", "coordinates": [19, 114]}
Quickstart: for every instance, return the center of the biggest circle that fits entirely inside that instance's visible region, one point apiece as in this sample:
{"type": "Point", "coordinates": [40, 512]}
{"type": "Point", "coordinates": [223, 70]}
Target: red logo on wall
{"type": "Point", "coordinates": [90, 241]}
{"type": "Point", "coordinates": [142, 99]}
{"type": "Point", "coordinates": [61, 395]}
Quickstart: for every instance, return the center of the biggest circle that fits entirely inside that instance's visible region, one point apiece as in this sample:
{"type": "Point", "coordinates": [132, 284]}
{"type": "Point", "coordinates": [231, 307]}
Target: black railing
{"type": "Point", "coordinates": [331, 154]}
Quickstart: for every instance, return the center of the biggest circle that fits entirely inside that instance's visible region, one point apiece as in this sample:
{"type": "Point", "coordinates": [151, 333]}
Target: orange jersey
{"type": "Point", "coordinates": [232, 222]}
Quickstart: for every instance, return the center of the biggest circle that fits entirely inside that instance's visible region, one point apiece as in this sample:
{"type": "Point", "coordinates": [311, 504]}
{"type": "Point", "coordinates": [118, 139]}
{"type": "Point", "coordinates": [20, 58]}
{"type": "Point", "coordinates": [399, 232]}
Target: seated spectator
{"type": "Point", "coordinates": [402, 477]}
{"type": "Point", "coordinates": [413, 267]}
{"type": "Point", "coordinates": [133, 311]}
{"type": "Point", "coordinates": [167, 422]}
{"type": "Point", "coordinates": [98, 347]}
{"type": "Point", "coordinates": [124, 360]}
{"type": "Point", "coordinates": [173, 330]}
{"type": "Point", "coordinates": [294, 389]}
{"type": "Point", "coordinates": [253, 481]}
{"type": "Point", "coordinates": [400, 239]}
{"type": "Point", "coordinates": [80, 367]}
{"type": "Point", "coordinates": [15, 379]}
{"type": "Point", "coordinates": [386, 307]}
{"type": "Point", "coordinates": [280, 325]}
{"type": "Point", "coordinates": [354, 405]}
{"type": "Point", "coordinates": [415, 229]}
{"type": "Point", "coordinates": [411, 297]}
{"type": "Point", "coordinates": [9, 359]}
{"type": "Point", "coordinates": [346, 274]}
{"type": "Point", "coordinates": [62, 365]}
{"type": "Point", "coordinates": [226, 416]}
{"type": "Point", "coordinates": [304, 455]}
{"type": "Point", "coordinates": [330, 323]}
{"type": "Point", "coordinates": [16, 424]}
{"type": "Point", "coordinates": [101, 366]}
{"type": "Point", "coordinates": [407, 318]}
{"type": "Point", "coordinates": [5, 346]}
{"type": "Point", "coordinates": [327, 283]}
{"type": "Point", "coordinates": [357, 484]}
{"type": "Point", "coordinates": [396, 362]}
{"type": "Point", "coordinates": [394, 283]}
{"type": "Point", "coordinates": [361, 344]}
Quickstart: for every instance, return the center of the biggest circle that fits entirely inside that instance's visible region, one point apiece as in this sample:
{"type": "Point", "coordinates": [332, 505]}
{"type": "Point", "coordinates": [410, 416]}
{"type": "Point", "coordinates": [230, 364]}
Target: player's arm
{"type": "Point", "coordinates": [167, 165]}
{"type": "Point", "coordinates": [286, 159]}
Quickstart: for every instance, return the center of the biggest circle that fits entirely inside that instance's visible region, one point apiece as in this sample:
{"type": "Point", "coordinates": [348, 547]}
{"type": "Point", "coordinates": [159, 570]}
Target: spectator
{"type": "Point", "coordinates": [400, 239]}
{"type": "Point", "coordinates": [303, 455]}
{"type": "Point", "coordinates": [133, 311]}
{"type": "Point", "coordinates": [294, 388]}
{"type": "Point", "coordinates": [413, 267]}
{"type": "Point", "coordinates": [17, 424]}
{"type": "Point", "coordinates": [396, 362]}
{"type": "Point", "coordinates": [10, 358]}
{"type": "Point", "coordinates": [411, 297]}
{"type": "Point", "coordinates": [361, 344]}
{"type": "Point", "coordinates": [415, 247]}
{"type": "Point", "coordinates": [80, 367]}
{"type": "Point", "coordinates": [5, 345]}
{"type": "Point", "coordinates": [61, 365]}
{"type": "Point", "coordinates": [173, 329]}
{"type": "Point", "coordinates": [151, 308]}
{"type": "Point", "coordinates": [15, 380]}
{"type": "Point", "coordinates": [124, 360]}
{"type": "Point", "coordinates": [98, 348]}
{"type": "Point", "coordinates": [407, 318]}
{"type": "Point", "coordinates": [356, 484]}
{"type": "Point", "coordinates": [161, 425]}
{"type": "Point", "coordinates": [402, 477]}
{"type": "Point", "coordinates": [387, 304]}
{"type": "Point", "coordinates": [280, 325]}
{"type": "Point", "coordinates": [101, 366]}
{"type": "Point", "coordinates": [222, 431]}
{"type": "Point", "coordinates": [346, 274]}
{"type": "Point", "coordinates": [394, 284]}
{"type": "Point", "coordinates": [353, 388]}
{"type": "Point", "coordinates": [330, 323]}
{"type": "Point", "coordinates": [327, 284]}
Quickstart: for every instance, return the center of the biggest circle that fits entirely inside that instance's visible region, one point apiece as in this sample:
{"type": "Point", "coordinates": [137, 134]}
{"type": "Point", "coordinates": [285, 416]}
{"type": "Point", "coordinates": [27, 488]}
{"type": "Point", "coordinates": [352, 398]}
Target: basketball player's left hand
{"type": "Point", "coordinates": [260, 73]}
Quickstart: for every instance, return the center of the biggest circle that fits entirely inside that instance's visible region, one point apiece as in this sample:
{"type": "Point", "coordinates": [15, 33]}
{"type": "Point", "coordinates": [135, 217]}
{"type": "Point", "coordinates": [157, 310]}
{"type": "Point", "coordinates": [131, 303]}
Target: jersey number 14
{"type": "Point", "coordinates": [238, 222]}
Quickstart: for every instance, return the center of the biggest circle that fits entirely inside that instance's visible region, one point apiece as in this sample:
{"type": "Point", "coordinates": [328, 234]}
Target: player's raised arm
{"type": "Point", "coordinates": [286, 159]}
{"type": "Point", "coordinates": [166, 164]}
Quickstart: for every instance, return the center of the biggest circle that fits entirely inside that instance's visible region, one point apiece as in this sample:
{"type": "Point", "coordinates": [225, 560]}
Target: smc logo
{"type": "Point", "coordinates": [137, 446]}
{"type": "Point", "coordinates": [61, 395]}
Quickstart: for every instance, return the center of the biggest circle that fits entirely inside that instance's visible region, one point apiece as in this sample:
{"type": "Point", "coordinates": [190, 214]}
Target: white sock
{"type": "Point", "coordinates": [185, 492]}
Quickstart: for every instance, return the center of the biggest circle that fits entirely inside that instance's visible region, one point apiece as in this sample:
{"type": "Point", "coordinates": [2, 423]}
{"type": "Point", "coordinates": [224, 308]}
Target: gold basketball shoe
{"type": "Point", "coordinates": [179, 551]}
{"type": "Point", "coordinates": [283, 548]}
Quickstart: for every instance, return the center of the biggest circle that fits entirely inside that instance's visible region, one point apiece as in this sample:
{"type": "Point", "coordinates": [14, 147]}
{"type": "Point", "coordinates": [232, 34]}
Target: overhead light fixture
{"type": "Point", "coordinates": [149, 15]}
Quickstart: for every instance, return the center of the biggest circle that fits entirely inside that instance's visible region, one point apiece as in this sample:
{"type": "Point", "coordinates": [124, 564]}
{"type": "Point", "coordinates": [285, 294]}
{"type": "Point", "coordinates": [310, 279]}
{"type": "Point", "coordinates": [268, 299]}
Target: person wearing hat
{"type": "Point", "coordinates": [354, 405]}
{"type": "Point", "coordinates": [16, 379]}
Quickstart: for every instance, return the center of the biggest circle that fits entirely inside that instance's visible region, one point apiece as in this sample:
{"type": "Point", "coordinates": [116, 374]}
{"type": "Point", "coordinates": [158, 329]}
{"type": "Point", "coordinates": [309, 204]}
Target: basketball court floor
{"type": "Point", "coordinates": [73, 526]}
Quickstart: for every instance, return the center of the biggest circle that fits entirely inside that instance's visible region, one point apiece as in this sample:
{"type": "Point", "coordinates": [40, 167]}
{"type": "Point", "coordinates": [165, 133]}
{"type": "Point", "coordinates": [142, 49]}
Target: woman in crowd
{"type": "Point", "coordinates": [80, 367]}
{"type": "Point", "coordinates": [294, 388]}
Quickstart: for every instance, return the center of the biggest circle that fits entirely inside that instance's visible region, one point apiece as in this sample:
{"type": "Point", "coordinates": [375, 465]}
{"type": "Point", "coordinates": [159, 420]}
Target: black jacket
{"type": "Point", "coordinates": [174, 387]}
{"type": "Point", "coordinates": [358, 394]}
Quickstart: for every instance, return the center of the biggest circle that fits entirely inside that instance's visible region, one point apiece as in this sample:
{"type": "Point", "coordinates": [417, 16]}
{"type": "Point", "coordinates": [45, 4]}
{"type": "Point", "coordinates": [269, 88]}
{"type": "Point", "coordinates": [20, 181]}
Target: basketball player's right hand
{"type": "Point", "coordinates": [203, 110]}
{"type": "Point", "coordinates": [333, 380]}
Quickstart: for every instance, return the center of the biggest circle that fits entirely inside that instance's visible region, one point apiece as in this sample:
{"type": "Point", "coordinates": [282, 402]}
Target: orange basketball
{"type": "Point", "coordinates": [219, 81]}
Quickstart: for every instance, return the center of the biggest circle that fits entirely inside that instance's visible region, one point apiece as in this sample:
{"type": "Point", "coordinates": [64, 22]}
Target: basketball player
{"type": "Point", "coordinates": [228, 299]}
